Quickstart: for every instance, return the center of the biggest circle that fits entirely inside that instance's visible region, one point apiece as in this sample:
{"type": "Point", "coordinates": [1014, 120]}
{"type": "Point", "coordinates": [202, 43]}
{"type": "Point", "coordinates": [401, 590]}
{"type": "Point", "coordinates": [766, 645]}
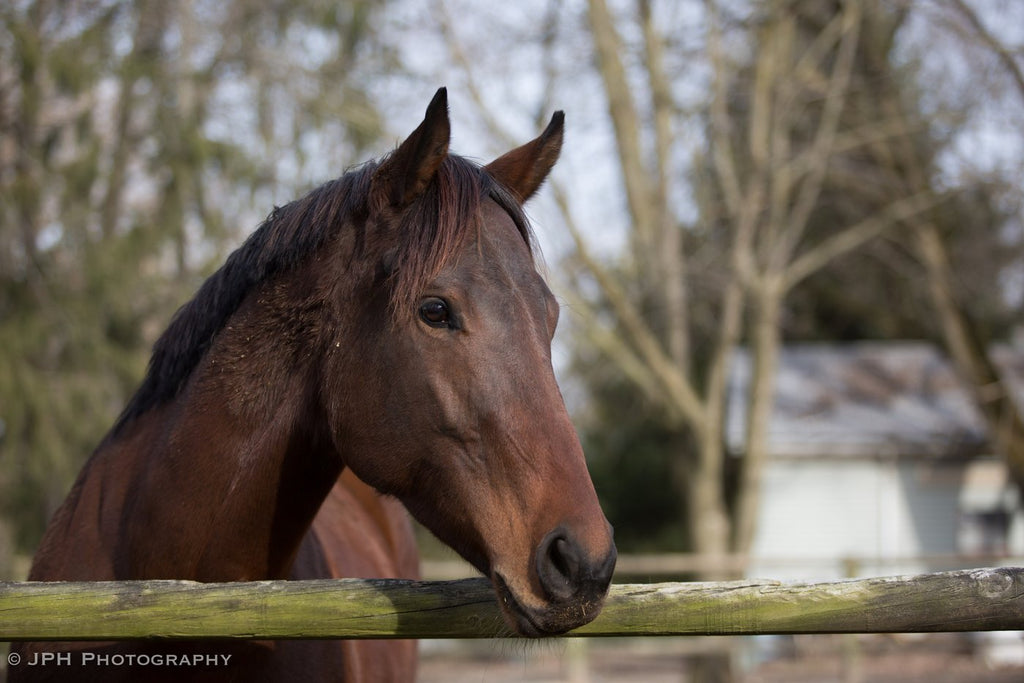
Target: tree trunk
{"type": "Point", "coordinates": [707, 513]}
{"type": "Point", "coordinates": [761, 399]}
{"type": "Point", "coordinates": [992, 396]}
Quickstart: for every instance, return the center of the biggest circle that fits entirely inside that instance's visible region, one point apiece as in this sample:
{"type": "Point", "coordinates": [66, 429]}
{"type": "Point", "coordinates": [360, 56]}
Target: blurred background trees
{"type": "Point", "coordinates": [818, 185]}
{"type": "Point", "coordinates": [139, 142]}
{"type": "Point", "coordinates": [822, 213]}
{"type": "Point", "coordinates": [736, 174]}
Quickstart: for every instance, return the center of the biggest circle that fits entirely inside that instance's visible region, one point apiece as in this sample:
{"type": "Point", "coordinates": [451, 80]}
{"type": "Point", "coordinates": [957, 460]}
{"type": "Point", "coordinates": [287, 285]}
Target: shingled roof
{"type": "Point", "coordinates": [876, 399]}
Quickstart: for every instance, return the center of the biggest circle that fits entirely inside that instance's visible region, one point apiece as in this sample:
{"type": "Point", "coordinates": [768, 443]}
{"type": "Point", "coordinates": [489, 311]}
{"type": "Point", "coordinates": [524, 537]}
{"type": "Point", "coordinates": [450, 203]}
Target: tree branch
{"type": "Point", "coordinates": [721, 122]}
{"type": "Point", "coordinates": [821, 149]}
{"type": "Point", "coordinates": [990, 41]}
{"type": "Point", "coordinates": [854, 236]}
{"type": "Point", "coordinates": [682, 397]}
{"type": "Point", "coordinates": [671, 261]}
{"type": "Point", "coordinates": [624, 118]}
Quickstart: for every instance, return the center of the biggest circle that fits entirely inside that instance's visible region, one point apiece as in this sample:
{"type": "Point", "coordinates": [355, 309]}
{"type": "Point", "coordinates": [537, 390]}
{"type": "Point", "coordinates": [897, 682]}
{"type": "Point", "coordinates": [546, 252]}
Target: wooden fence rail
{"type": "Point", "coordinates": [971, 600]}
{"type": "Point", "coordinates": [645, 566]}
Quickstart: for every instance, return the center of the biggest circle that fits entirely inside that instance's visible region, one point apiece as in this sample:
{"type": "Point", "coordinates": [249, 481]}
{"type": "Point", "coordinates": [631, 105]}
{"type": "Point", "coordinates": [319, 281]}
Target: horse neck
{"type": "Point", "coordinates": [235, 468]}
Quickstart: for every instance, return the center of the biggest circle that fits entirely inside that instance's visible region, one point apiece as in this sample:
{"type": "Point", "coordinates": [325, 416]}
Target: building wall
{"type": "Point", "coordinates": [815, 513]}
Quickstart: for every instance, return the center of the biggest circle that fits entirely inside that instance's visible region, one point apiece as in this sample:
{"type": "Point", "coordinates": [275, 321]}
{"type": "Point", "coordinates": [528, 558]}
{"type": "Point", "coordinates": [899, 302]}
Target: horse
{"type": "Point", "coordinates": [379, 347]}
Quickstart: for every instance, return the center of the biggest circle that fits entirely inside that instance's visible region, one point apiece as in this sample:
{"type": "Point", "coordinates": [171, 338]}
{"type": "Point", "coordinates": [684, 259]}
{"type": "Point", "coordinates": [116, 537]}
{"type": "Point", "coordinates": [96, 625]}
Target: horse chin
{"type": "Point", "coordinates": [551, 620]}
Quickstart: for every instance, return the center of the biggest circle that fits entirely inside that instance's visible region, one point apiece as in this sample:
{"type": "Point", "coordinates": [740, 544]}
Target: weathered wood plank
{"type": "Point", "coordinates": [974, 600]}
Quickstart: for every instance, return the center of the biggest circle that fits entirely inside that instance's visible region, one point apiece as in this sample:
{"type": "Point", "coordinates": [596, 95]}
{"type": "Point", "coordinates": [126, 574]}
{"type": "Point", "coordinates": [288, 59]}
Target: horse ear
{"type": "Point", "coordinates": [405, 173]}
{"type": "Point", "coordinates": [524, 169]}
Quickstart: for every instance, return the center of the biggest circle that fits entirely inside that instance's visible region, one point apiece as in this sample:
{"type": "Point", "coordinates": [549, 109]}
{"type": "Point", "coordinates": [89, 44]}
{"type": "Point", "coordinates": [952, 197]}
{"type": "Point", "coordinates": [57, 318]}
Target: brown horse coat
{"type": "Point", "coordinates": [388, 328]}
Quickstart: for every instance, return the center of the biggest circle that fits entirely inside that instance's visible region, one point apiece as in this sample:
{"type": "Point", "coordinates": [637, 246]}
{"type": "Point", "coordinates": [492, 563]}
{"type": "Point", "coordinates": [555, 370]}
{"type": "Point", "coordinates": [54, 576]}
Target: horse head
{"type": "Point", "coordinates": [446, 398]}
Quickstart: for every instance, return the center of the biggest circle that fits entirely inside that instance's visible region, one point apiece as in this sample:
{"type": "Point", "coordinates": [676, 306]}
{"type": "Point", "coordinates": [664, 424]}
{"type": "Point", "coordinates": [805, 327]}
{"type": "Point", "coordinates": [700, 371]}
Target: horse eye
{"type": "Point", "coordinates": [434, 312]}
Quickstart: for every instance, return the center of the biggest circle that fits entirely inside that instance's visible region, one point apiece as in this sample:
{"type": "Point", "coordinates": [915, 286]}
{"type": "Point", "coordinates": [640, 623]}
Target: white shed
{"type": "Point", "coordinates": [878, 464]}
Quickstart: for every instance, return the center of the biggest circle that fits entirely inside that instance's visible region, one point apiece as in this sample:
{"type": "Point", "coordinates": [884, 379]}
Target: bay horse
{"type": "Point", "coordinates": [381, 344]}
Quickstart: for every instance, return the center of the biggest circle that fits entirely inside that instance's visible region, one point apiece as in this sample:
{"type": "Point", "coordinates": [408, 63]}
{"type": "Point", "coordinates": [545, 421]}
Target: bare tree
{"type": "Point", "coordinates": [769, 169]}
{"type": "Point", "coordinates": [909, 170]}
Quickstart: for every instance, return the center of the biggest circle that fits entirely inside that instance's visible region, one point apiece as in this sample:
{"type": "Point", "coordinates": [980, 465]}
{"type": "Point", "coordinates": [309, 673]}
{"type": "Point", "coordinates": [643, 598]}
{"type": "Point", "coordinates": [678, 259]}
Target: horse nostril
{"type": "Point", "coordinates": [564, 559]}
{"type": "Point", "coordinates": [558, 566]}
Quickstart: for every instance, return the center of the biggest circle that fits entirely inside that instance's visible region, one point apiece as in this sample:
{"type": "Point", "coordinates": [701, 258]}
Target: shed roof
{"type": "Point", "coordinates": [871, 399]}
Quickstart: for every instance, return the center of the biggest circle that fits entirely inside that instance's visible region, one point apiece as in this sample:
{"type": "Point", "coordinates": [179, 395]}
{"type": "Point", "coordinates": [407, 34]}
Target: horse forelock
{"type": "Point", "coordinates": [431, 233]}
{"type": "Point", "coordinates": [439, 226]}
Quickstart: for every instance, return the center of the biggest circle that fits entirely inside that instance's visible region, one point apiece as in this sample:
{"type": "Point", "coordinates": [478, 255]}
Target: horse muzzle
{"type": "Point", "coordinates": [574, 586]}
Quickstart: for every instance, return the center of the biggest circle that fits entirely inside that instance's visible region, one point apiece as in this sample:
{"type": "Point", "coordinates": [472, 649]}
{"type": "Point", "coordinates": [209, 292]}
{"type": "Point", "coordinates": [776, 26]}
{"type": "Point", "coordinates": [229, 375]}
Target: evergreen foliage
{"type": "Point", "coordinates": [140, 141]}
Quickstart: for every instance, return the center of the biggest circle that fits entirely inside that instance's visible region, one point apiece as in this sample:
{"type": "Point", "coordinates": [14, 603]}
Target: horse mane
{"type": "Point", "coordinates": [433, 230]}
